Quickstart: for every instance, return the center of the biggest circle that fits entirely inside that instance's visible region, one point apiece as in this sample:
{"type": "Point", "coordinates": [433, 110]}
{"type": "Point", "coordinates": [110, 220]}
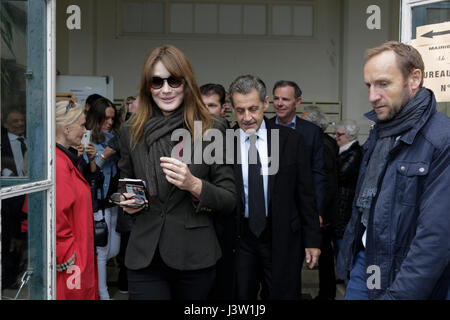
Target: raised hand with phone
{"type": "Point", "coordinates": [177, 229]}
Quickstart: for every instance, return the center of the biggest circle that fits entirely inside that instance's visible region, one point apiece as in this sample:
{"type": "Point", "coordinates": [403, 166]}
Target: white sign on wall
{"type": "Point", "coordinates": [433, 43]}
{"type": "Point", "coordinates": [83, 86]}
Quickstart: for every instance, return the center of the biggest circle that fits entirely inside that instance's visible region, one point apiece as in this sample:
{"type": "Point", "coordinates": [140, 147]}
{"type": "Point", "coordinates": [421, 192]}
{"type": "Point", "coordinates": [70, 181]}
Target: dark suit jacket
{"type": "Point", "coordinates": [312, 136]}
{"type": "Point", "coordinates": [293, 214]}
{"type": "Point", "coordinates": [331, 203]}
{"type": "Point", "coordinates": [12, 214]}
{"type": "Point", "coordinates": [182, 229]}
{"type": "Point", "coordinates": [349, 163]}
{"type": "Point", "coordinates": [7, 154]}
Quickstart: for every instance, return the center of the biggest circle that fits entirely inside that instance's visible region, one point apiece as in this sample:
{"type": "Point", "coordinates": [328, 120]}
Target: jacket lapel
{"type": "Point", "coordinates": [71, 165]}
{"type": "Point", "coordinates": [269, 153]}
{"type": "Point", "coordinates": [281, 144]}
{"type": "Point", "coordinates": [238, 169]}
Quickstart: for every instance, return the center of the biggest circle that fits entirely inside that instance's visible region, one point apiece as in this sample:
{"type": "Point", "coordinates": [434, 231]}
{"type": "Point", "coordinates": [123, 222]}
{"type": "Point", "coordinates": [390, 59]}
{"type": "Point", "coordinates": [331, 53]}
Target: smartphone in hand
{"type": "Point", "coordinates": [86, 138]}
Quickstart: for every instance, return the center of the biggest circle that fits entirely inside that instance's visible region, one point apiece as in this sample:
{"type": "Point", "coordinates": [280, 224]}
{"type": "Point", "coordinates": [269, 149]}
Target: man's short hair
{"type": "Point", "coordinates": [350, 127]}
{"type": "Point", "coordinates": [245, 84]}
{"type": "Point", "coordinates": [7, 112]}
{"type": "Point", "coordinates": [210, 89]}
{"type": "Point", "coordinates": [316, 116]}
{"type": "Point", "coordinates": [312, 108]}
{"type": "Point", "coordinates": [408, 58]}
{"type": "Point", "coordinates": [287, 83]}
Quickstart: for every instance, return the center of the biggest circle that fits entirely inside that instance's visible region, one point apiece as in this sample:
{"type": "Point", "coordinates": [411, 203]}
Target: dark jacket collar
{"type": "Point", "coordinates": [411, 134]}
{"type": "Point", "coordinates": [70, 153]}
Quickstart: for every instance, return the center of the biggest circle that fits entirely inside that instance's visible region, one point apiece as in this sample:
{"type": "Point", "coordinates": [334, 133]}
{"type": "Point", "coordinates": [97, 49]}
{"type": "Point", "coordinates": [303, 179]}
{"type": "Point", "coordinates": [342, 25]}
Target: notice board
{"type": "Point", "coordinates": [83, 86]}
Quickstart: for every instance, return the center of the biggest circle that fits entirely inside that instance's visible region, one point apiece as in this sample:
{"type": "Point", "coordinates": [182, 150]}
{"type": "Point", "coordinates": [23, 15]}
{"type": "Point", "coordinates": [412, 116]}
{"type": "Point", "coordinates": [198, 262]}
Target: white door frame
{"type": "Point", "coordinates": [51, 192]}
{"type": "Point", "coordinates": [406, 17]}
{"type": "Point", "coordinates": [47, 185]}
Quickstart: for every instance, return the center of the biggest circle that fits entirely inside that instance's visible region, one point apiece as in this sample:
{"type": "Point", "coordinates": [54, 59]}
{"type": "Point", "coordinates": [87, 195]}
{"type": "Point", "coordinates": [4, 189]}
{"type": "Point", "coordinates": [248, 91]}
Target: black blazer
{"type": "Point", "coordinates": [312, 137]}
{"type": "Point", "coordinates": [293, 213]}
{"type": "Point", "coordinates": [182, 229]}
{"type": "Point", "coordinates": [349, 163]}
{"type": "Point", "coordinates": [7, 154]}
{"type": "Point", "coordinates": [11, 212]}
{"type": "Point", "coordinates": [331, 203]}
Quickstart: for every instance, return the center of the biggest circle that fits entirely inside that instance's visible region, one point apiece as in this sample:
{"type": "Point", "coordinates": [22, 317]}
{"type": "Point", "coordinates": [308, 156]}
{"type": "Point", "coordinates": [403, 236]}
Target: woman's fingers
{"type": "Point", "coordinates": [129, 199]}
{"type": "Point", "coordinates": [176, 166]}
{"type": "Point", "coordinates": [177, 172]}
{"type": "Point", "coordinates": [132, 210]}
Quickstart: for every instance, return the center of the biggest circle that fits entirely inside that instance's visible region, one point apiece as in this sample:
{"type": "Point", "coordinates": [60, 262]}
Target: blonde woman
{"type": "Point", "coordinates": [74, 218]}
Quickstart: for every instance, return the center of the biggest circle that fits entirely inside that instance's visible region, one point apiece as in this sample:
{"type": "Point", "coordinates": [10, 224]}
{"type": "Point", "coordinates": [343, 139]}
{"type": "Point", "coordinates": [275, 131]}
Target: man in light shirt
{"type": "Point", "coordinates": [13, 162]}
{"type": "Point", "coordinates": [14, 145]}
{"type": "Point", "coordinates": [276, 215]}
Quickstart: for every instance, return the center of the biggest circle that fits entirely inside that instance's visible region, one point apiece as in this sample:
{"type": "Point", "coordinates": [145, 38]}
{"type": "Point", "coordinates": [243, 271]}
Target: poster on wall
{"type": "Point", "coordinates": [83, 86]}
{"type": "Point", "coordinates": [433, 43]}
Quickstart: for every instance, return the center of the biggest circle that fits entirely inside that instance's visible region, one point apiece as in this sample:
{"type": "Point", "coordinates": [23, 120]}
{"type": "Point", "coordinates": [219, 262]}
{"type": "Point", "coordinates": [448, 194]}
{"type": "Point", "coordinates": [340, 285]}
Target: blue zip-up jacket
{"type": "Point", "coordinates": [408, 235]}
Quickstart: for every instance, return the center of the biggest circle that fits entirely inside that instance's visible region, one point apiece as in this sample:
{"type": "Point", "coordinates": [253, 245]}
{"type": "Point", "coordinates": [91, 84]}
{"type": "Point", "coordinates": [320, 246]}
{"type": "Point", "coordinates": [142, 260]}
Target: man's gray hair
{"type": "Point", "coordinates": [245, 84]}
{"type": "Point", "coordinates": [350, 127]}
{"type": "Point", "coordinates": [312, 108]}
{"type": "Point", "coordinates": [314, 115]}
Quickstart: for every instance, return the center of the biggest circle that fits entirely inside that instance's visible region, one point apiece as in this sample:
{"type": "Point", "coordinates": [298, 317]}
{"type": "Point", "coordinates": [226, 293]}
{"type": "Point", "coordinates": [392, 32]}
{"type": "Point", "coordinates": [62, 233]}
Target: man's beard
{"type": "Point", "coordinates": [396, 109]}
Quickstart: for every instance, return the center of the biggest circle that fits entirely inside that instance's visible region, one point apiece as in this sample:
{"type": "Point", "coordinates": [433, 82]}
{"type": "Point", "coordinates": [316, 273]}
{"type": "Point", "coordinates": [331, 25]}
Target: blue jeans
{"type": "Point", "coordinates": [357, 286]}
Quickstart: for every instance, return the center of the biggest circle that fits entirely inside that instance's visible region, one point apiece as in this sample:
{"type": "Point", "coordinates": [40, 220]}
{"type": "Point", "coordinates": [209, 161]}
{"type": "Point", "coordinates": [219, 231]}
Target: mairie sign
{"type": "Point", "coordinates": [433, 43]}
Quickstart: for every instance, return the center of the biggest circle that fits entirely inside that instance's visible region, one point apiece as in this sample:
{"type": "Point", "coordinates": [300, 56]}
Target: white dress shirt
{"type": "Point", "coordinates": [347, 146]}
{"type": "Point", "coordinates": [16, 149]}
{"type": "Point", "coordinates": [261, 146]}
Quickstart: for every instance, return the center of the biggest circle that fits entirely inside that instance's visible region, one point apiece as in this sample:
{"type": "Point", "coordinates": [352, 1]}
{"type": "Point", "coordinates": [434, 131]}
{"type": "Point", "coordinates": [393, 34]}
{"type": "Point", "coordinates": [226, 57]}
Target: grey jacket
{"type": "Point", "coordinates": [182, 228]}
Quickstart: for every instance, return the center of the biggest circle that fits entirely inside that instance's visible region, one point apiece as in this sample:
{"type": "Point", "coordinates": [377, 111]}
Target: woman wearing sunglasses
{"type": "Point", "coordinates": [173, 247]}
{"type": "Point", "coordinates": [103, 120]}
{"type": "Point", "coordinates": [76, 276]}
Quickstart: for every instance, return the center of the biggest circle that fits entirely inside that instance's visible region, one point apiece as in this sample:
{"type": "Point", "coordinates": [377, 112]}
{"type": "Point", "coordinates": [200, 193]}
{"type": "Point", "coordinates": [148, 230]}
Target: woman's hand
{"type": "Point", "coordinates": [129, 199]}
{"type": "Point", "coordinates": [108, 152]}
{"type": "Point", "coordinates": [178, 174]}
{"type": "Point", "coordinates": [80, 149]}
{"type": "Point", "coordinates": [91, 151]}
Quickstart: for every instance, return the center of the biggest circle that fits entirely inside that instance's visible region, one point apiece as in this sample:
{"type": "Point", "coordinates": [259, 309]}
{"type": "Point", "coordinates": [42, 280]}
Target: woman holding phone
{"type": "Point", "coordinates": [103, 120]}
{"type": "Point", "coordinates": [173, 247]}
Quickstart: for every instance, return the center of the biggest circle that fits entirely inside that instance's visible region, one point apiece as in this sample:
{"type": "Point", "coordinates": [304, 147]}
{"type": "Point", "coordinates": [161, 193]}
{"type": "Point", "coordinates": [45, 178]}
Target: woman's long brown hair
{"type": "Point", "coordinates": [178, 66]}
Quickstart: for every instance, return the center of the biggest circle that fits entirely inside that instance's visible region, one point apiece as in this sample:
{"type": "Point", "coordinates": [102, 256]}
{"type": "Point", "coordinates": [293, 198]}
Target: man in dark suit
{"type": "Point", "coordinates": [327, 281]}
{"type": "Point", "coordinates": [276, 212]}
{"type": "Point", "coordinates": [287, 96]}
{"type": "Point", "coordinates": [13, 144]}
{"type": "Point", "coordinates": [13, 151]}
{"type": "Point", "coordinates": [213, 96]}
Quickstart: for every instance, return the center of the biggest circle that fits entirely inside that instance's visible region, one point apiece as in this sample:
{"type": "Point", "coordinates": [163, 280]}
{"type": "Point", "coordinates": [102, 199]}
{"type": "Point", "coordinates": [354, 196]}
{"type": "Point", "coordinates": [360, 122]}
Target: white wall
{"type": "Point", "coordinates": [327, 68]}
{"type": "Point", "coordinates": [357, 38]}
{"type": "Point", "coordinates": [314, 64]}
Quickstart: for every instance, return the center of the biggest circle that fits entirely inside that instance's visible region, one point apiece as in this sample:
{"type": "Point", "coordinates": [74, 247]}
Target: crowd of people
{"type": "Point", "coordinates": [241, 229]}
{"type": "Point", "coordinates": [280, 192]}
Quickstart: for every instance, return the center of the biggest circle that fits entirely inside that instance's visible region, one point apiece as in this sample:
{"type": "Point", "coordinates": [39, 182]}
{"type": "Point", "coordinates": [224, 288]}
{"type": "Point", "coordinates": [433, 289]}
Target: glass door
{"type": "Point", "coordinates": [27, 139]}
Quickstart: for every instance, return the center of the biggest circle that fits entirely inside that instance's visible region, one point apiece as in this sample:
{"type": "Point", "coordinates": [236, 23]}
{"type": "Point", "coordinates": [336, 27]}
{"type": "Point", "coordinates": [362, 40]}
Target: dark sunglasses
{"type": "Point", "coordinates": [172, 81]}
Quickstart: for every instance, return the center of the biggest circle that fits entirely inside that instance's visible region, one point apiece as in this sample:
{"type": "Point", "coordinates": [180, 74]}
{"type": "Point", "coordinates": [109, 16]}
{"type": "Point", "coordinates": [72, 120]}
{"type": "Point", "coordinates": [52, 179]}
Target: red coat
{"type": "Point", "coordinates": [74, 233]}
